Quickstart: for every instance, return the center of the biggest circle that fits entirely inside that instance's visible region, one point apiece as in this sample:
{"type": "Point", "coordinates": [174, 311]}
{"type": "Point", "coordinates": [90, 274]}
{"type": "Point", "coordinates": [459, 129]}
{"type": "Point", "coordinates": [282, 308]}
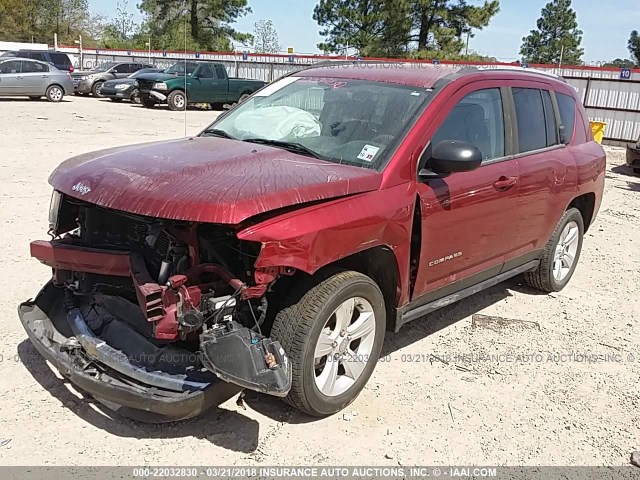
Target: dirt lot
{"type": "Point", "coordinates": [522, 393]}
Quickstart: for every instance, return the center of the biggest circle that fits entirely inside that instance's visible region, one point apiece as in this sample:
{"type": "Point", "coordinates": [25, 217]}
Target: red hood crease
{"type": "Point", "coordinates": [206, 179]}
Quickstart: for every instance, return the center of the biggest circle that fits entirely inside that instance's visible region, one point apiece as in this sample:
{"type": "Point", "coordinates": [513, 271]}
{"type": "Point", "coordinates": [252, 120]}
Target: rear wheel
{"type": "Point", "coordinates": [560, 255]}
{"type": "Point", "coordinates": [55, 93]}
{"type": "Point", "coordinates": [95, 90]}
{"type": "Point", "coordinates": [333, 337]}
{"type": "Point", "coordinates": [147, 101]}
{"type": "Point", "coordinates": [177, 100]}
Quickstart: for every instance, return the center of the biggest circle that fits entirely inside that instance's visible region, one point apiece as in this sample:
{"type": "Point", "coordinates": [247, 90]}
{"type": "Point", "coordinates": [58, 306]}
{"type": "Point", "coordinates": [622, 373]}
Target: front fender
{"type": "Point", "coordinates": [316, 236]}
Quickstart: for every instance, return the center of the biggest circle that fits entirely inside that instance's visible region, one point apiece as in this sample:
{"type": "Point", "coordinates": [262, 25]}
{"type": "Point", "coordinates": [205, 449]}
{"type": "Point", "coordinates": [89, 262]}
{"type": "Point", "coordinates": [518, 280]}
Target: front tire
{"type": "Point", "coordinates": [177, 100]}
{"type": "Point", "coordinates": [54, 93]}
{"type": "Point", "coordinates": [333, 337]}
{"type": "Point", "coordinates": [560, 255]}
{"type": "Point", "coordinates": [135, 97]}
{"type": "Point", "coordinates": [95, 89]}
{"type": "Point", "coordinates": [147, 101]}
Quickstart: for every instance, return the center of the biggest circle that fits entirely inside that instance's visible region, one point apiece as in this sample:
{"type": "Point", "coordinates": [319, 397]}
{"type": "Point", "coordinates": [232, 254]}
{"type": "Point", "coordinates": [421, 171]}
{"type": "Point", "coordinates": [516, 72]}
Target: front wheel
{"type": "Point", "coordinates": [135, 97]}
{"type": "Point", "coordinates": [95, 90]}
{"type": "Point", "coordinates": [177, 100]}
{"type": "Point", "coordinates": [560, 255]}
{"type": "Point", "coordinates": [333, 337]}
{"type": "Point", "coordinates": [54, 93]}
{"type": "Point", "coordinates": [147, 101]}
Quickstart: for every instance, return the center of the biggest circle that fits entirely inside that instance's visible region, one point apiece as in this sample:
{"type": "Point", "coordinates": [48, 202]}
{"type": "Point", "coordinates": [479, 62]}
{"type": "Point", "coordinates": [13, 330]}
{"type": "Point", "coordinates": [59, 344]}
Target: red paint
{"type": "Point", "coordinates": [211, 180]}
{"type": "Point", "coordinates": [484, 215]}
{"type": "Point", "coordinates": [80, 259]}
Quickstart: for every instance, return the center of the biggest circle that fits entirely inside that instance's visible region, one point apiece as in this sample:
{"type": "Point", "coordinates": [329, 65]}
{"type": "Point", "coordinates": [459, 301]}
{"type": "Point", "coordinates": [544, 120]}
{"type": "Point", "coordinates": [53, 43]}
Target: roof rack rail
{"type": "Point", "coordinates": [498, 68]}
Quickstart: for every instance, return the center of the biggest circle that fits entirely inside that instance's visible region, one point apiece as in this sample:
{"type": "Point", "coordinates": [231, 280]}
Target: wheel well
{"type": "Point", "coordinates": [378, 263]}
{"type": "Point", "coordinates": [585, 204]}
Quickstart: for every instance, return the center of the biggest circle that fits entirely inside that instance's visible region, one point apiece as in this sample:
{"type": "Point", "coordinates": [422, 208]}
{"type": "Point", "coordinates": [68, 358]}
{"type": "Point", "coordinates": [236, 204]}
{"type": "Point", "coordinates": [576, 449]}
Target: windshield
{"type": "Point", "coordinates": [348, 121]}
{"type": "Point", "coordinates": [178, 68]}
{"type": "Point", "coordinates": [104, 67]}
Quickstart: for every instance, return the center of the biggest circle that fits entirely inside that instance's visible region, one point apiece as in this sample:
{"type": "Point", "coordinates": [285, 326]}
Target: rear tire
{"type": "Point", "coordinates": [147, 101]}
{"type": "Point", "coordinates": [95, 89]}
{"type": "Point", "coordinates": [55, 93]}
{"type": "Point", "coordinates": [177, 100]}
{"type": "Point", "coordinates": [560, 255]}
{"type": "Point", "coordinates": [333, 337]}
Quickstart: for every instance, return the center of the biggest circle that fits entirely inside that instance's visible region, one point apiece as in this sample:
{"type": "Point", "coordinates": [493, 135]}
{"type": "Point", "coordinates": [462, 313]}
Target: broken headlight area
{"type": "Point", "coordinates": [166, 304]}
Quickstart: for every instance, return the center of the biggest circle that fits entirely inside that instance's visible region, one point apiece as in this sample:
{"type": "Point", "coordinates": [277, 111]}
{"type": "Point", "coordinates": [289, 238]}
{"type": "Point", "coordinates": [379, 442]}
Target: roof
{"type": "Point", "coordinates": [413, 74]}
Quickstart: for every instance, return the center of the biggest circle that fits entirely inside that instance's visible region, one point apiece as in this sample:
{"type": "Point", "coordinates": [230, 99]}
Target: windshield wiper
{"type": "Point", "coordinates": [216, 132]}
{"type": "Point", "coordinates": [291, 146]}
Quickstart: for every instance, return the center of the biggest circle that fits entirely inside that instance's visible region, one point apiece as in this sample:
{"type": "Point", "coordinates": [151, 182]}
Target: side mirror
{"type": "Point", "coordinates": [451, 156]}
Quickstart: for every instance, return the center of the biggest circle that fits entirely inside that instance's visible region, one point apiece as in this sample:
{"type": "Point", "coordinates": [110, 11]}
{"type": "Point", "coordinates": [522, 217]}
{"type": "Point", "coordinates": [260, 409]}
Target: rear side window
{"type": "Point", "coordinates": [567, 107]}
{"type": "Point", "coordinates": [60, 59]}
{"type": "Point", "coordinates": [221, 72]}
{"type": "Point", "coordinates": [532, 127]}
{"type": "Point", "coordinates": [478, 119]}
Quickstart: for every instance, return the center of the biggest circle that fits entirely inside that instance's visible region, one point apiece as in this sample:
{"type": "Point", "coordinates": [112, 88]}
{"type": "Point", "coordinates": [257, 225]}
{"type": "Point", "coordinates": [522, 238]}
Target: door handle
{"type": "Point", "coordinates": [45, 76]}
{"type": "Point", "coordinates": [19, 78]}
{"type": "Point", "coordinates": [505, 183]}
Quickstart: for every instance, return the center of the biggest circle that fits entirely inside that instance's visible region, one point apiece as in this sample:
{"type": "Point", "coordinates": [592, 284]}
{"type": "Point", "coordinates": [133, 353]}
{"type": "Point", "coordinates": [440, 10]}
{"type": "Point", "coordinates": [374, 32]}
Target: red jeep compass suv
{"type": "Point", "coordinates": [272, 251]}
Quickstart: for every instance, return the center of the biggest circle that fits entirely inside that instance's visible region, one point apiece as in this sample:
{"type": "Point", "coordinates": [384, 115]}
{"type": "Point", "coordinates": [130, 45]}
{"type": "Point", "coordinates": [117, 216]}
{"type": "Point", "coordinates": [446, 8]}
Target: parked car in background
{"type": "Point", "coordinates": [33, 79]}
{"type": "Point", "coordinates": [273, 250]}
{"type": "Point", "coordinates": [633, 157]}
{"type": "Point", "coordinates": [194, 82]}
{"type": "Point", "coordinates": [91, 81]}
{"type": "Point", "coordinates": [58, 59]}
{"type": "Point", "coordinates": [125, 88]}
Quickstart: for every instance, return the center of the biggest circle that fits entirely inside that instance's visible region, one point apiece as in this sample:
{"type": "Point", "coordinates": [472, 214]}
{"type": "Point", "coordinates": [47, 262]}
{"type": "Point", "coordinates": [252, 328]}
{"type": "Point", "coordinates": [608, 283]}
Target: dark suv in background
{"type": "Point", "coordinates": [85, 82]}
{"type": "Point", "coordinates": [59, 60]}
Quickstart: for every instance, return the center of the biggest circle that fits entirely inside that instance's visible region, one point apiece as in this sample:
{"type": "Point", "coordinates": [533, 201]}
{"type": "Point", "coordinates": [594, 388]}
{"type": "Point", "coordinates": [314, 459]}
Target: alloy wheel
{"type": "Point", "coordinates": [344, 346]}
{"type": "Point", "coordinates": [566, 250]}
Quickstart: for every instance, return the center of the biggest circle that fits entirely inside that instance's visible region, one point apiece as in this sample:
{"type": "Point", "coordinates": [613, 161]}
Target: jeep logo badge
{"type": "Point", "coordinates": [81, 188]}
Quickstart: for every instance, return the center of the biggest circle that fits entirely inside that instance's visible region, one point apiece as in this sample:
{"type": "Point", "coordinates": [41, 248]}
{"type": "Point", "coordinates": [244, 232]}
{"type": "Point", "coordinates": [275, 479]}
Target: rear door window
{"type": "Point", "coordinates": [477, 119]}
{"type": "Point", "coordinates": [37, 56]}
{"type": "Point", "coordinates": [532, 127]}
{"type": "Point", "coordinates": [567, 107]}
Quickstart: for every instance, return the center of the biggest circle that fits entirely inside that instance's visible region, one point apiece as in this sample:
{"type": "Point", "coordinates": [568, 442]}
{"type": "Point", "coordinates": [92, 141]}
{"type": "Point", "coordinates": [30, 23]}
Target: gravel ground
{"type": "Point", "coordinates": [558, 388]}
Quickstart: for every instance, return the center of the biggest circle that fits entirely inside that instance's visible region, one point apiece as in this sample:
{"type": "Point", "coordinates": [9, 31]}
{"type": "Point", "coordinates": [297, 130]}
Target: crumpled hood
{"type": "Point", "coordinates": [113, 83]}
{"type": "Point", "coordinates": [158, 77]}
{"type": "Point", "coordinates": [206, 179]}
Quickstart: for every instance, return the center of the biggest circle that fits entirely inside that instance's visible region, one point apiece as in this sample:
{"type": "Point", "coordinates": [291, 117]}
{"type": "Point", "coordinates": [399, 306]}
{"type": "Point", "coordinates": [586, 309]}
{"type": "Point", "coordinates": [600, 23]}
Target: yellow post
{"type": "Point", "coordinates": [598, 130]}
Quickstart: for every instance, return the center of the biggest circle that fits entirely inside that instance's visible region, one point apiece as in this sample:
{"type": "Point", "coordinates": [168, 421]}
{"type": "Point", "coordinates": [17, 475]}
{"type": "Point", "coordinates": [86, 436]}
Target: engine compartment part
{"type": "Point", "coordinates": [156, 302]}
{"type": "Point", "coordinates": [241, 356]}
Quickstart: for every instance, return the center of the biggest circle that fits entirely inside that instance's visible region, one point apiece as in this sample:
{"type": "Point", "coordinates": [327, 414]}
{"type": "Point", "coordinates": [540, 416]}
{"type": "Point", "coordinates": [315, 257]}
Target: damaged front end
{"type": "Point", "coordinates": [156, 319]}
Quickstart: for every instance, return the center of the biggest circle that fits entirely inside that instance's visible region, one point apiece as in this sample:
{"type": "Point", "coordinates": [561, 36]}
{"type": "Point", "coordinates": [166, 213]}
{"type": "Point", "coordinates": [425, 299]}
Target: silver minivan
{"type": "Point", "coordinates": [33, 79]}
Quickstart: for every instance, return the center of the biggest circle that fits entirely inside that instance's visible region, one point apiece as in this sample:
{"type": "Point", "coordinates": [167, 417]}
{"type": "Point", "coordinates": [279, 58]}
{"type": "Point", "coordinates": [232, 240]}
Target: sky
{"type": "Point", "coordinates": [606, 25]}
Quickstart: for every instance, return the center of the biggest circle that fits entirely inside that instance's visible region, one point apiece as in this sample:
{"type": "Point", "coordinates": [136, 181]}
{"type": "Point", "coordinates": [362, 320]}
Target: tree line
{"type": "Point", "coordinates": [428, 29]}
